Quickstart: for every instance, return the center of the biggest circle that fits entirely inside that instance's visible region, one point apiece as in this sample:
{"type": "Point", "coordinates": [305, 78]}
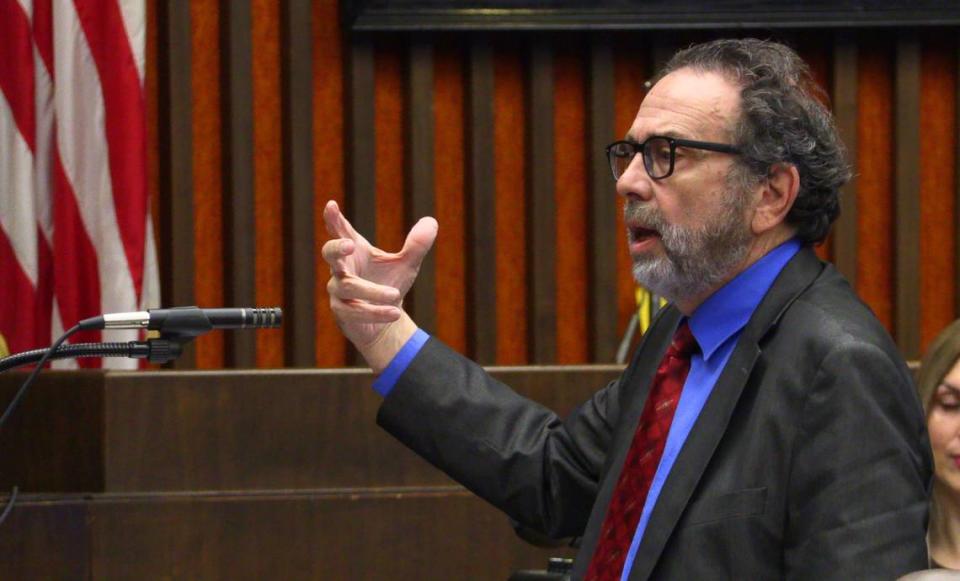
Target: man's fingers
{"type": "Point", "coordinates": [359, 312]}
{"type": "Point", "coordinates": [351, 287]}
{"type": "Point", "coordinates": [420, 240]}
{"type": "Point", "coordinates": [335, 253]}
{"type": "Point", "coordinates": [337, 224]}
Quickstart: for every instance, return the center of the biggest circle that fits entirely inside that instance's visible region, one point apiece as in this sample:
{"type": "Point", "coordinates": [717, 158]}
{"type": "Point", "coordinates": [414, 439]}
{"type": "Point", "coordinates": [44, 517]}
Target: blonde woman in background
{"type": "Point", "coordinates": [939, 387]}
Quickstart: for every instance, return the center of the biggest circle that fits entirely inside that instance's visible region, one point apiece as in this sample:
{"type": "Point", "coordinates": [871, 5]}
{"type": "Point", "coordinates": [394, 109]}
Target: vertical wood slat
{"type": "Point", "coordinates": [151, 94]}
{"type": "Point", "coordinates": [390, 146]}
{"type": "Point", "coordinates": [630, 72]}
{"type": "Point", "coordinates": [603, 224]}
{"type": "Point", "coordinates": [299, 247]}
{"type": "Point", "coordinates": [268, 173]}
{"type": "Point", "coordinates": [482, 288]}
{"type": "Point", "coordinates": [362, 200]}
{"type": "Point", "coordinates": [875, 213]}
{"type": "Point", "coordinates": [329, 141]}
{"type": "Point", "coordinates": [208, 227]}
{"type": "Point", "coordinates": [541, 255]}
{"type": "Point", "coordinates": [572, 240]}
{"type": "Point", "coordinates": [956, 216]}
{"type": "Point", "coordinates": [177, 167]}
{"type": "Point", "coordinates": [238, 172]}
{"type": "Point", "coordinates": [449, 147]}
{"type": "Point", "coordinates": [907, 203]}
{"type": "Point", "coordinates": [420, 171]}
{"type": "Point", "coordinates": [511, 179]}
{"type": "Point", "coordinates": [936, 181]}
{"type": "Point", "coordinates": [845, 111]}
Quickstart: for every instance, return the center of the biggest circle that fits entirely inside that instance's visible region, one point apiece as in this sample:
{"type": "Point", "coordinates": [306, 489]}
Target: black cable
{"type": "Point", "coordinates": [155, 350]}
{"type": "Point", "coordinates": [132, 349]}
{"type": "Point", "coordinates": [16, 399]}
{"type": "Point", "coordinates": [9, 507]}
{"type": "Point", "coordinates": [36, 371]}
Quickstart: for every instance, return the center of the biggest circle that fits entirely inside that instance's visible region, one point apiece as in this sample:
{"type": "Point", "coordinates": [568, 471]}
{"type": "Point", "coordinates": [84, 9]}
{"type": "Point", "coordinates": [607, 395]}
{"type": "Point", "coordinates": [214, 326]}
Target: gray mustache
{"type": "Point", "coordinates": [649, 216]}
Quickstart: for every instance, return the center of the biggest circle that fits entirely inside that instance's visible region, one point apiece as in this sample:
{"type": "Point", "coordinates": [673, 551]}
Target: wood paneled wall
{"type": "Point", "coordinates": [265, 109]}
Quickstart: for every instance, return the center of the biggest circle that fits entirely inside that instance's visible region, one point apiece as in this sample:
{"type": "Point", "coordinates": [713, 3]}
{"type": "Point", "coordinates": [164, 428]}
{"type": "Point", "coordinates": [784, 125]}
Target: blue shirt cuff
{"type": "Point", "coordinates": [388, 379]}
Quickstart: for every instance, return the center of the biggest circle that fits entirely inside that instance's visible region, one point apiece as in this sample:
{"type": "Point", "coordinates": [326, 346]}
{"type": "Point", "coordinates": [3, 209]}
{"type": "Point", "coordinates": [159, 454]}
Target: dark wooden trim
{"type": "Point", "coordinates": [361, 198]}
{"type": "Point", "coordinates": [541, 212]}
{"type": "Point", "coordinates": [365, 15]}
{"type": "Point", "coordinates": [604, 234]}
{"type": "Point", "coordinates": [43, 499]}
{"type": "Point", "coordinates": [420, 173]}
{"type": "Point", "coordinates": [238, 201]}
{"type": "Point", "coordinates": [299, 247]}
{"type": "Point", "coordinates": [176, 162]}
{"type": "Point", "coordinates": [361, 151]}
{"type": "Point", "coordinates": [845, 112]}
{"type": "Point", "coordinates": [274, 535]}
{"type": "Point", "coordinates": [956, 221]}
{"type": "Point", "coordinates": [907, 155]}
{"type": "Point", "coordinates": [481, 242]}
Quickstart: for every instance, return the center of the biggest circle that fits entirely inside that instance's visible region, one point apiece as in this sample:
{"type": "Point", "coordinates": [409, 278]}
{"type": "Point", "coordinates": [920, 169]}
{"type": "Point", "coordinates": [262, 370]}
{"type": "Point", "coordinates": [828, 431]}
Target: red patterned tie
{"type": "Point", "coordinates": [642, 460]}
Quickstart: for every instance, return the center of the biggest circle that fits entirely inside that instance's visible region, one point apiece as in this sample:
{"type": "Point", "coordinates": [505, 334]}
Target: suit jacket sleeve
{"type": "Point", "coordinates": [518, 455]}
{"type": "Point", "coordinates": [857, 506]}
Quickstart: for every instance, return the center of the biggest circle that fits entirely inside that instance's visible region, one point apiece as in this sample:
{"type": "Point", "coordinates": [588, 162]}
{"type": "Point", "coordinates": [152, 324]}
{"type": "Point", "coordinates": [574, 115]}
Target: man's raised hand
{"type": "Point", "coordinates": [367, 285]}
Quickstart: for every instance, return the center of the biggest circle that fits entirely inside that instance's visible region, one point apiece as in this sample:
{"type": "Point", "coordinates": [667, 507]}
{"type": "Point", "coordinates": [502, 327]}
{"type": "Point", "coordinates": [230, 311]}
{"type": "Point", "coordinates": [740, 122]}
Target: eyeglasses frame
{"type": "Point", "coordinates": [674, 143]}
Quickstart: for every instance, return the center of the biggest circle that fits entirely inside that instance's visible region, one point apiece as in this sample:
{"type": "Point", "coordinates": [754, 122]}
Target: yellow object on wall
{"type": "Point", "coordinates": [648, 305]}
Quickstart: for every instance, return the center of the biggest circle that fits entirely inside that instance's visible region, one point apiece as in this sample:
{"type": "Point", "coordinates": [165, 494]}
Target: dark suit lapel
{"type": "Point", "coordinates": [640, 379]}
{"type": "Point", "coordinates": [693, 459]}
{"type": "Point", "coordinates": [636, 386]}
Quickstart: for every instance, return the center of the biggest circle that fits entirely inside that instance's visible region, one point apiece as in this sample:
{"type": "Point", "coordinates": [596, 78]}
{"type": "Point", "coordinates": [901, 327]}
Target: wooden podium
{"type": "Point", "coordinates": [244, 475]}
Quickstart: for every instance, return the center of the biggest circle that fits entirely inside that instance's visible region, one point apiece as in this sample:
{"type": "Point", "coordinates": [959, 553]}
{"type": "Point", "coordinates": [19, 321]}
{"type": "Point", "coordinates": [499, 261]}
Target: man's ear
{"type": "Point", "coordinates": [778, 192]}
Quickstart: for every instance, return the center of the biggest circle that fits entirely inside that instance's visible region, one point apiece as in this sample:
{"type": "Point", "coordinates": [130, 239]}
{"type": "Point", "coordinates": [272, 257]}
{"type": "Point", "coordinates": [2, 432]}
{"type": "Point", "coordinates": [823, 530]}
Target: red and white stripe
{"type": "Point", "coordinates": [75, 231]}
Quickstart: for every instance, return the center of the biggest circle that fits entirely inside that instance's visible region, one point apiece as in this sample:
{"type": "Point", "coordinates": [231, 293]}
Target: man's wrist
{"type": "Point", "coordinates": [381, 351]}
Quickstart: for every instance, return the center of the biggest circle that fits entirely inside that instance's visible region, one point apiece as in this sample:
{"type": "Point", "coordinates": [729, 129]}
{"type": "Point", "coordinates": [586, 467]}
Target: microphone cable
{"type": "Point", "coordinates": [130, 349]}
{"type": "Point", "coordinates": [33, 375]}
{"type": "Point", "coordinates": [19, 395]}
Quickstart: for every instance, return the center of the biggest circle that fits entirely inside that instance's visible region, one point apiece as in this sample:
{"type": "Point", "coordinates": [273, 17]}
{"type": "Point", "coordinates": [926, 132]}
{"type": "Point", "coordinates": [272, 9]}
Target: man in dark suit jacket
{"type": "Point", "coordinates": [797, 448]}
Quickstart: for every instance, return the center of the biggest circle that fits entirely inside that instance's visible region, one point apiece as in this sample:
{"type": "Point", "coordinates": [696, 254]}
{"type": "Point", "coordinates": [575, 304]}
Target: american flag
{"type": "Point", "coordinates": [75, 231]}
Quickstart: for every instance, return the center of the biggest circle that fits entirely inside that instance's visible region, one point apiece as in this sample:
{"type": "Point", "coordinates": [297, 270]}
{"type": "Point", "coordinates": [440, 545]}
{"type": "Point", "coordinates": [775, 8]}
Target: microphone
{"type": "Point", "coordinates": [188, 320]}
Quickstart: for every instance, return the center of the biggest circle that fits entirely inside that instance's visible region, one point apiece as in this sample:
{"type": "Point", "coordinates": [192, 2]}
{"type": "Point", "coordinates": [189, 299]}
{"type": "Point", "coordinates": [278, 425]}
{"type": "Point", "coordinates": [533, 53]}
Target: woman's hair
{"type": "Point", "coordinates": [937, 363]}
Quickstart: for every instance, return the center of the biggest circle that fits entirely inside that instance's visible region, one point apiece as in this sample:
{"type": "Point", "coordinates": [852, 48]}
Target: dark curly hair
{"type": "Point", "coordinates": [781, 121]}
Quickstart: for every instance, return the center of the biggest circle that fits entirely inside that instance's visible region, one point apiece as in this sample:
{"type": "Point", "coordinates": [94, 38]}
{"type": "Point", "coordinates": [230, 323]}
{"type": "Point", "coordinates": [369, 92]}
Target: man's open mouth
{"type": "Point", "coordinates": [640, 234]}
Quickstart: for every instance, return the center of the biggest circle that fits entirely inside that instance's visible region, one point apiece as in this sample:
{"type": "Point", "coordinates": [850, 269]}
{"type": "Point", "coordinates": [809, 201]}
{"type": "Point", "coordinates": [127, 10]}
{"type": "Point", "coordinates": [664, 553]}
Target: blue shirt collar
{"type": "Point", "coordinates": [727, 311]}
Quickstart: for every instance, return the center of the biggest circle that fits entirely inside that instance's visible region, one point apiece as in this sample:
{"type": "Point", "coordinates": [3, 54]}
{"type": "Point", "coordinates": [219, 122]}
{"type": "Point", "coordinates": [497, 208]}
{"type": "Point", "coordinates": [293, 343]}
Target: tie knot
{"type": "Point", "coordinates": [684, 343]}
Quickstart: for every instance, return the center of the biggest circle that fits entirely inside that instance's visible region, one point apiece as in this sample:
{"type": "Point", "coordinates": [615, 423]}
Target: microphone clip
{"type": "Point", "coordinates": [182, 324]}
{"type": "Point", "coordinates": [177, 327]}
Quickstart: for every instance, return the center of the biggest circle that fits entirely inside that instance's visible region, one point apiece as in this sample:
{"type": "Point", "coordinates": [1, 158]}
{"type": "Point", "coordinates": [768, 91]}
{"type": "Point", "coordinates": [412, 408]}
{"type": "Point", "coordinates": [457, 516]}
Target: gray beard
{"type": "Point", "coordinates": [696, 260]}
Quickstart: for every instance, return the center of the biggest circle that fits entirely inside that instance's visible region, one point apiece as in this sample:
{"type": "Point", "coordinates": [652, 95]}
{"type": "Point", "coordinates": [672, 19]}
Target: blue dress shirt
{"type": "Point", "coordinates": [716, 325]}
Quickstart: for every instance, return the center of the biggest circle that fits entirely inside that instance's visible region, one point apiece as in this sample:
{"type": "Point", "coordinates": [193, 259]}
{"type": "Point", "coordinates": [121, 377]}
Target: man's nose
{"type": "Point", "coordinates": [635, 182]}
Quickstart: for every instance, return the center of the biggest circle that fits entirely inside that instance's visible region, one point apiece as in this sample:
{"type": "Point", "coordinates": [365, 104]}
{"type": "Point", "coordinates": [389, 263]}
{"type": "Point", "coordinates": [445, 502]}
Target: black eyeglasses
{"type": "Point", "coordinates": [659, 154]}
